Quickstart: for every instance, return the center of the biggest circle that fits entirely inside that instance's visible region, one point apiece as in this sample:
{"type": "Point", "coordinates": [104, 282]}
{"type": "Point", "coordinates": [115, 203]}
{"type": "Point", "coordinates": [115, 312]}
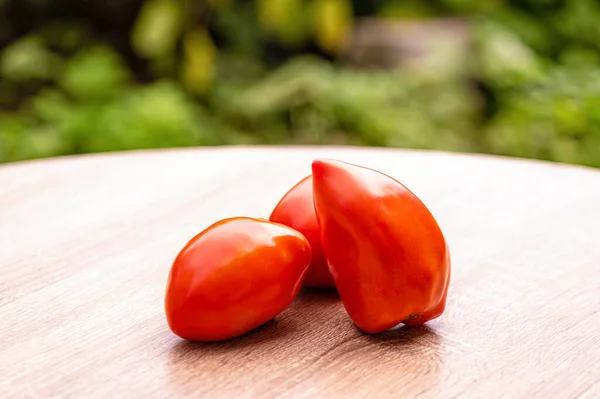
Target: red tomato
{"type": "Point", "coordinates": [296, 210]}
{"type": "Point", "coordinates": [233, 277]}
{"type": "Point", "coordinates": [386, 252]}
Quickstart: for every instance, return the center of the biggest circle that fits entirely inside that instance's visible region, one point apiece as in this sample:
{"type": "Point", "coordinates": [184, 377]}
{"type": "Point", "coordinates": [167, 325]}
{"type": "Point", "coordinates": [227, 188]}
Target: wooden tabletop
{"type": "Point", "coordinates": [86, 244]}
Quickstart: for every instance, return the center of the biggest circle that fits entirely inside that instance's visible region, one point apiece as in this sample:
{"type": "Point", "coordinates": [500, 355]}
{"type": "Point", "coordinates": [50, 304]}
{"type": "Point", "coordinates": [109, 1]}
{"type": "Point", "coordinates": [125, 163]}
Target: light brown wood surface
{"type": "Point", "coordinates": [86, 244]}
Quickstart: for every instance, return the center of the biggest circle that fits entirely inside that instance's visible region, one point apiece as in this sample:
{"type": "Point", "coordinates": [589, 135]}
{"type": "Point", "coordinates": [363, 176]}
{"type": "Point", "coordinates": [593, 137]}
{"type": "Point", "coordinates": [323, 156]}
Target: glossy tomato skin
{"type": "Point", "coordinates": [386, 252]}
{"type": "Point", "coordinates": [296, 210]}
{"type": "Point", "coordinates": [234, 276]}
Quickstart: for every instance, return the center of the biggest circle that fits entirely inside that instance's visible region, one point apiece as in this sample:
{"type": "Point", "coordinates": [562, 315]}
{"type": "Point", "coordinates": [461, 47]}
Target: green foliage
{"type": "Point", "coordinates": [28, 59]}
{"type": "Point", "coordinates": [157, 28]}
{"type": "Point", "coordinates": [94, 74]}
{"type": "Point", "coordinates": [504, 60]}
{"type": "Point", "coordinates": [386, 108]}
{"type": "Point", "coordinates": [196, 73]}
{"type": "Point", "coordinates": [559, 119]}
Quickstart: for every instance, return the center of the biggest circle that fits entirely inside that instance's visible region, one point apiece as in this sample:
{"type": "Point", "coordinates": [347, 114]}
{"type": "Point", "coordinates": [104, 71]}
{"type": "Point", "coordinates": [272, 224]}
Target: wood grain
{"type": "Point", "coordinates": [86, 244]}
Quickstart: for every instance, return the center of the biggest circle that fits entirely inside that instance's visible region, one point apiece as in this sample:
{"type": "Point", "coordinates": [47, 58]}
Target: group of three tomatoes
{"type": "Point", "coordinates": [344, 226]}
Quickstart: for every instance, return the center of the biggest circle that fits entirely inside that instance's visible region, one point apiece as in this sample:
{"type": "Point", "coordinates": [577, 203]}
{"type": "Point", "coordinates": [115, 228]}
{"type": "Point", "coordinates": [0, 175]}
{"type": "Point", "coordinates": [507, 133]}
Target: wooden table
{"type": "Point", "coordinates": [86, 244]}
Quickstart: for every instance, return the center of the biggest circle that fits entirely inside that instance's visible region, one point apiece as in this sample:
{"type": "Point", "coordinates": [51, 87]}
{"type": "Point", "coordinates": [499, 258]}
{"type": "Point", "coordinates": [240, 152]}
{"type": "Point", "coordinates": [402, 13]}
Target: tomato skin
{"type": "Point", "coordinates": [386, 252]}
{"type": "Point", "coordinates": [296, 210]}
{"type": "Point", "coordinates": [234, 276]}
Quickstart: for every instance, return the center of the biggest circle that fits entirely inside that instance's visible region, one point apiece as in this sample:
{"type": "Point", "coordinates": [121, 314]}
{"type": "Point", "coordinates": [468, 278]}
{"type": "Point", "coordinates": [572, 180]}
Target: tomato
{"type": "Point", "coordinates": [296, 210]}
{"type": "Point", "coordinates": [387, 255]}
{"type": "Point", "coordinates": [234, 276]}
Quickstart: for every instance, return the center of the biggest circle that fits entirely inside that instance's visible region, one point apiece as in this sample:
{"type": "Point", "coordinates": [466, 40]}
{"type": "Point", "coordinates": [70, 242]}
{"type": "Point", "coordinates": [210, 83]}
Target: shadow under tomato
{"type": "Point", "coordinates": [405, 334]}
{"type": "Point", "coordinates": [308, 302]}
{"type": "Point", "coordinates": [314, 330]}
{"type": "Point", "coordinates": [320, 295]}
{"type": "Point", "coordinates": [273, 329]}
{"type": "Point", "coordinates": [224, 360]}
{"type": "Point", "coordinates": [322, 298]}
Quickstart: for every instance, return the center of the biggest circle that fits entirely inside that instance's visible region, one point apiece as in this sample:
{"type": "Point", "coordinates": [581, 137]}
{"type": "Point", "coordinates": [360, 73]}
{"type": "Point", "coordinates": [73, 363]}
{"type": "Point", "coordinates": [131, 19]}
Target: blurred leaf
{"type": "Point", "coordinates": [14, 128]}
{"type": "Point", "coordinates": [504, 60]}
{"type": "Point", "coordinates": [233, 68]}
{"type": "Point", "coordinates": [42, 142]}
{"type": "Point", "coordinates": [580, 57]}
{"type": "Point", "coordinates": [199, 61]}
{"type": "Point", "coordinates": [51, 105]}
{"type": "Point", "coordinates": [156, 116]}
{"type": "Point", "coordinates": [285, 19]}
{"type": "Point", "coordinates": [21, 139]}
{"type": "Point", "coordinates": [532, 29]}
{"type": "Point", "coordinates": [96, 73]}
{"type": "Point", "coordinates": [578, 20]}
{"type": "Point", "coordinates": [28, 59]}
{"type": "Point", "coordinates": [292, 85]}
{"type": "Point", "coordinates": [157, 28]}
{"type": "Point", "coordinates": [240, 31]}
{"type": "Point", "coordinates": [332, 22]}
{"type": "Point", "coordinates": [554, 120]}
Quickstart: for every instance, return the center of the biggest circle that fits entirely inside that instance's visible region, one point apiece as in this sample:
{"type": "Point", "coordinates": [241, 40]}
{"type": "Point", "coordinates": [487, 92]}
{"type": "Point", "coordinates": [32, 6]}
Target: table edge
{"type": "Point", "coordinates": [292, 148]}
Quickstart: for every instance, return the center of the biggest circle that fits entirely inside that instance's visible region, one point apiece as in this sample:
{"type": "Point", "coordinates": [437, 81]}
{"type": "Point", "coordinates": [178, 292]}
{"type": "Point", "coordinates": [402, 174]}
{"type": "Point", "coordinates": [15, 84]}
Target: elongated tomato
{"type": "Point", "coordinates": [386, 252]}
{"type": "Point", "coordinates": [233, 277]}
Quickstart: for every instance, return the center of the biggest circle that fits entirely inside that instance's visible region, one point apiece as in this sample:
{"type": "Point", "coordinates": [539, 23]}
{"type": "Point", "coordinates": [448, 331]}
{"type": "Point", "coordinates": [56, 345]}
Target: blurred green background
{"type": "Point", "coordinates": [519, 78]}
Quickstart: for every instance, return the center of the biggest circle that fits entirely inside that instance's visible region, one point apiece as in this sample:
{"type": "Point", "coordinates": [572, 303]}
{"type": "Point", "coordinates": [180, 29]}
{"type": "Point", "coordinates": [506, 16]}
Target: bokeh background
{"type": "Point", "coordinates": [519, 78]}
